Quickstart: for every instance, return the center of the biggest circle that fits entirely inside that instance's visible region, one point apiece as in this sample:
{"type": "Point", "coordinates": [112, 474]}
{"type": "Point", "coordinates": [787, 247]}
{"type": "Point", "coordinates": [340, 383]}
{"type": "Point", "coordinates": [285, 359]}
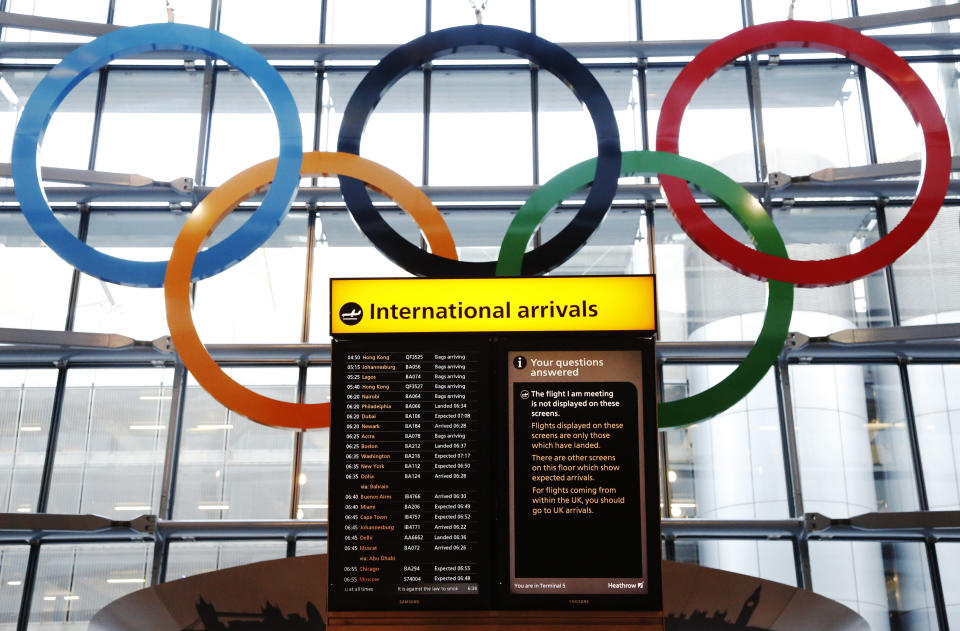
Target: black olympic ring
{"type": "Point", "coordinates": [545, 55]}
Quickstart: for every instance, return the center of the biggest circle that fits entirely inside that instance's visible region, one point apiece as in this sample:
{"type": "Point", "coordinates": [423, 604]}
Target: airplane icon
{"type": "Point", "coordinates": [351, 313]}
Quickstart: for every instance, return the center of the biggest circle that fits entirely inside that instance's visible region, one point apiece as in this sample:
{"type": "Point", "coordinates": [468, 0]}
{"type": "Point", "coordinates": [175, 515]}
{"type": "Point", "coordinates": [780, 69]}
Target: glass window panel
{"type": "Point", "coordinates": [447, 13]}
{"type": "Point", "coordinates": [716, 127]}
{"type": "Point", "coordinates": [478, 232]}
{"type": "Point", "coordinates": [948, 556]}
{"type": "Point", "coordinates": [897, 136]}
{"type": "Point", "coordinates": [290, 21]}
{"type": "Point", "coordinates": [66, 143]}
{"type": "Point", "coordinates": [26, 403]}
{"type": "Point", "coordinates": [343, 251]}
{"type": "Point", "coordinates": [112, 439]}
{"type": "Point", "coordinates": [230, 466]}
{"type": "Point", "coordinates": [338, 87]}
{"type": "Point", "coordinates": [13, 570]}
{"type": "Point", "coordinates": [618, 246]}
{"type": "Point", "coordinates": [927, 276]}
{"type": "Point", "coordinates": [138, 312]}
{"type": "Point", "coordinates": [683, 551]}
{"type": "Point", "coordinates": [701, 20]}
{"type": "Point", "coordinates": [76, 581]}
{"type": "Point", "coordinates": [769, 560]}
{"type": "Point", "coordinates": [798, 100]}
{"type": "Point", "coordinates": [374, 21]}
{"type": "Point", "coordinates": [27, 265]}
{"type": "Point", "coordinates": [341, 246]}
{"type": "Point", "coordinates": [157, 113]}
{"type": "Point", "coordinates": [88, 11]}
{"type": "Point", "coordinates": [805, 10]}
{"type": "Point", "coordinates": [315, 467]}
{"type": "Point", "coordinates": [260, 299]}
{"type": "Point", "coordinates": [243, 129]}
{"type": "Point", "coordinates": [132, 12]}
{"type": "Point", "coordinates": [731, 466]}
{"type": "Point", "coordinates": [190, 558]}
{"type": "Point", "coordinates": [824, 232]}
{"type": "Point", "coordinates": [393, 135]}
{"type": "Point", "coordinates": [576, 21]}
{"type": "Point", "coordinates": [885, 582]}
{"type": "Point", "coordinates": [936, 407]}
{"type": "Point", "coordinates": [567, 135]}
{"type": "Point", "coordinates": [852, 439]}
{"type": "Point", "coordinates": [306, 547]}
{"type": "Point", "coordinates": [871, 7]}
{"type": "Point", "coordinates": [21, 84]}
{"type": "Point", "coordinates": [480, 128]}
{"type": "Point", "coordinates": [694, 289]}
{"type": "Point", "coordinates": [889, 439]}
{"type": "Point", "coordinates": [699, 298]}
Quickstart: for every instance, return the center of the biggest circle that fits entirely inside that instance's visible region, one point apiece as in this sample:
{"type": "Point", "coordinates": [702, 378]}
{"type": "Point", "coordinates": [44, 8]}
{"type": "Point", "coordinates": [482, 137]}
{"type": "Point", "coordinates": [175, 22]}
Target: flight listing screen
{"type": "Point", "coordinates": [410, 479]}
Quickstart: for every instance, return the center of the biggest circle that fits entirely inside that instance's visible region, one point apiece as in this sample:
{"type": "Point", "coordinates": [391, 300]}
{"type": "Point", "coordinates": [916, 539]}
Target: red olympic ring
{"type": "Point", "coordinates": [859, 48]}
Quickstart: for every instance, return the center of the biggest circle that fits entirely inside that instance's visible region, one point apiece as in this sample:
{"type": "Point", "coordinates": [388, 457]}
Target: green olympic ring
{"type": "Point", "coordinates": [740, 203]}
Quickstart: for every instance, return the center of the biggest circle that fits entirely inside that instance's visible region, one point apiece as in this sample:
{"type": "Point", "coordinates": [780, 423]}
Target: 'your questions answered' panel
{"type": "Point", "coordinates": [576, 462]}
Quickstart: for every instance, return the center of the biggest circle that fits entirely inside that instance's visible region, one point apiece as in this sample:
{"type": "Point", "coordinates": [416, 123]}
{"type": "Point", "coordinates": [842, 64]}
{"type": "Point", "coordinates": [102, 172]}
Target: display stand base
{"type": "Point", "coordinates": [489, 620]}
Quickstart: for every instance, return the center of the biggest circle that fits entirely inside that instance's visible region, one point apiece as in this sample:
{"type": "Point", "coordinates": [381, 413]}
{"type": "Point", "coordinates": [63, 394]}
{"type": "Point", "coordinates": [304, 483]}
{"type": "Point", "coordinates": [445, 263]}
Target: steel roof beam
{"type": "Point", "coordinates": [873, 526]}
{"type": "Point", "coordinates": [486, 194]}
{"type": "Point", "coordinates": [327, 53]}
{"type": "Point", "coordinates": [822, 351]}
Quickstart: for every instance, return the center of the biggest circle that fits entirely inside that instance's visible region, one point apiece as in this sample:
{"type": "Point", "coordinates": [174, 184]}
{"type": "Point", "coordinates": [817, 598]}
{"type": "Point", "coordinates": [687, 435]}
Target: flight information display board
{"type": "Point", "coordinates": [413, 429]}
{"type": "Point", "coordinates": [473, 470]}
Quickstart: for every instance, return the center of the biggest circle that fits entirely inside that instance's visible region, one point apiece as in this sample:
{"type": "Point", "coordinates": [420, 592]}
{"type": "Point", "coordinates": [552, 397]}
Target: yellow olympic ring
{"type": "Point", "coordinates": [205, 218]}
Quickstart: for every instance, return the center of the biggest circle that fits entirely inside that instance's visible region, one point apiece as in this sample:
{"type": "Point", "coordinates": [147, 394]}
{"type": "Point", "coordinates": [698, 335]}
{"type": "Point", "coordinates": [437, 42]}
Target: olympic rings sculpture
{"type": "Point", "coordinates": [768, 262]}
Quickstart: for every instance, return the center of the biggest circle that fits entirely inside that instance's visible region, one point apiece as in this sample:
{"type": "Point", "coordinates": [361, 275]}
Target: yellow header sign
{"type": "Point", "coordinates": [492, 305]}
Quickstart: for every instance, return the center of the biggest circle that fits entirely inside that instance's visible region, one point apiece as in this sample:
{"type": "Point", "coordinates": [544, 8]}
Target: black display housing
{"type": "Point", "coordinates": [491, 479]}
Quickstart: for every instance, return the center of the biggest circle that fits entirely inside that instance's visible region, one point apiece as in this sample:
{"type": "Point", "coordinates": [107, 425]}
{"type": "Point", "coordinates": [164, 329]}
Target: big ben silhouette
{"type": "Point", "coordinates": [270, 618]}
{"type": "Point", "coordinates": [749, 607]}
{"type": "Point", "coordinates": [698, 620]}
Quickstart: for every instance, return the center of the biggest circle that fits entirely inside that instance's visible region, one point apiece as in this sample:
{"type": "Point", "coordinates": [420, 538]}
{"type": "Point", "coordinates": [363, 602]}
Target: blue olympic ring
{"type": "Point", "coordinates": [88, 58]}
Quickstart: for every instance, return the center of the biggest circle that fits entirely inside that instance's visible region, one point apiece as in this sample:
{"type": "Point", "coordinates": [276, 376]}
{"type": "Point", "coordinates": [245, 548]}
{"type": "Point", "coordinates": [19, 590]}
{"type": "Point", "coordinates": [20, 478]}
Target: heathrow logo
{"type": "Point", "coordinates": [351, 313]}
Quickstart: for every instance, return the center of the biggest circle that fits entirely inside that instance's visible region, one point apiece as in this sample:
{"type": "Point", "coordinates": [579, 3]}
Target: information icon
{"type": "Point", "coordinates": [519, 361]}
